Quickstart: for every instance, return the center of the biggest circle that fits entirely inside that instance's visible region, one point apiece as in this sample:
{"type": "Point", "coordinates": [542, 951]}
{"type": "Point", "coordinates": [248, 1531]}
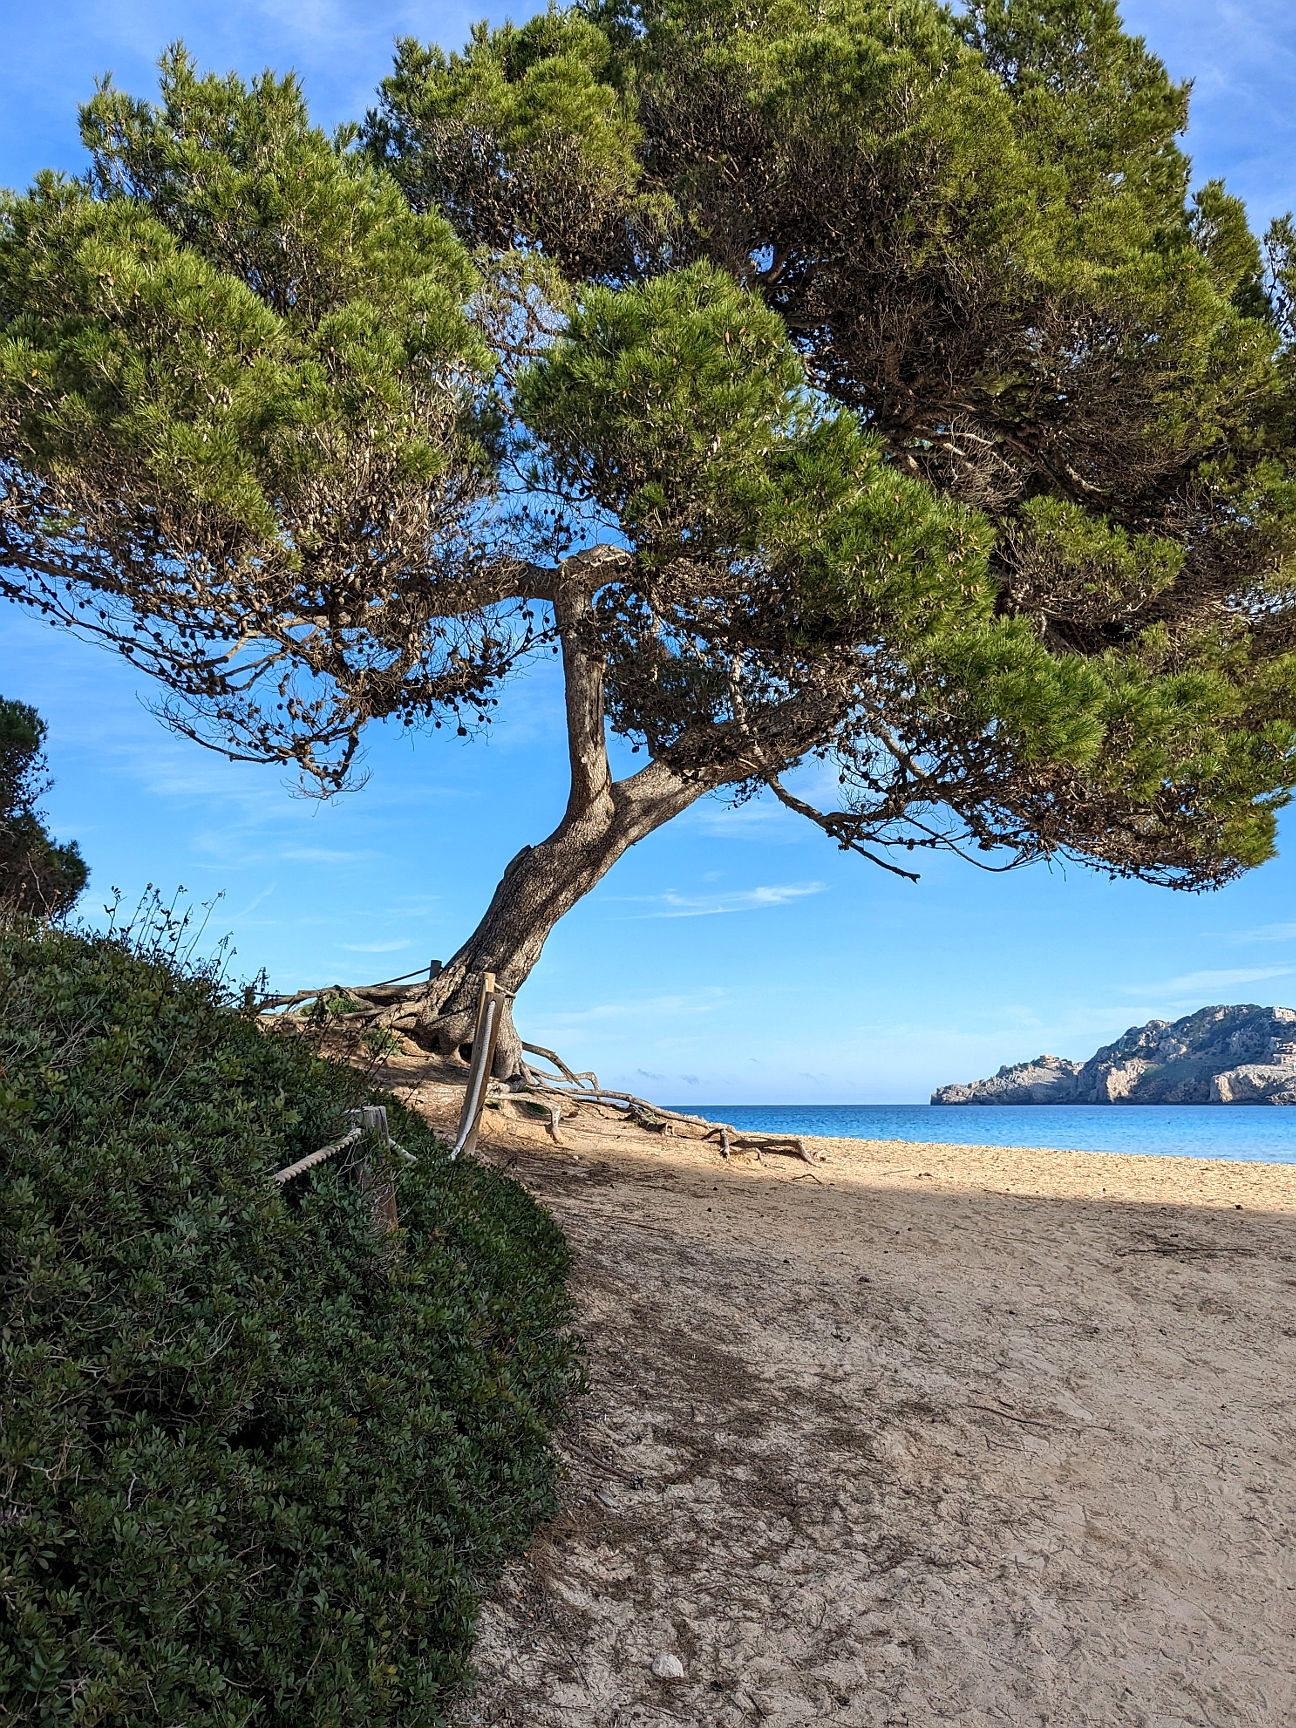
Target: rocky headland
{"type": "Point", "coordinates": [1222, 1055]}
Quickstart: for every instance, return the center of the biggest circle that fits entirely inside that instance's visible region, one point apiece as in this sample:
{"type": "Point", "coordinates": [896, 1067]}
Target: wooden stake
{"type": "Point", "coordinates": [376, 1178]}
{"type": "Point", "coordinates": [489, 1011]}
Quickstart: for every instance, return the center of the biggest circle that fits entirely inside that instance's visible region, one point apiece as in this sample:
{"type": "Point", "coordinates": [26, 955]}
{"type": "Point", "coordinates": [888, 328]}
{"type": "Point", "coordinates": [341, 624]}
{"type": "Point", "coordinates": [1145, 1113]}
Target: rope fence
{"type": "Point", "coordinates": [375, 1174]}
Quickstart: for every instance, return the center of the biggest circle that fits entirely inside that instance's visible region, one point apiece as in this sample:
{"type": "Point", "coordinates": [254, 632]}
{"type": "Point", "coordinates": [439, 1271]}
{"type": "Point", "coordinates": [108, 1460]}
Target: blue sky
{"type": "Point", "coordinates": [736, 956]}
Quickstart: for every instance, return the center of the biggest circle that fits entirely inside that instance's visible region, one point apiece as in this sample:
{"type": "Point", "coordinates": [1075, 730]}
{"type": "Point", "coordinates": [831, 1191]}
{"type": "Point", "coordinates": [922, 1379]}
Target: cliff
{"type": "Point", "coordinates": [1237, 1055]}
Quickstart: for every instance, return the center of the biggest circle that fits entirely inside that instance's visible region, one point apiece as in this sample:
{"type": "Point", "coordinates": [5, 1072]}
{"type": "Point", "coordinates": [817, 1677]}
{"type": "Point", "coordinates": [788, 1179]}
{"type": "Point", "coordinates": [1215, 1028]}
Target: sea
{"type": "Point", "coordinates": [1257, 1133]}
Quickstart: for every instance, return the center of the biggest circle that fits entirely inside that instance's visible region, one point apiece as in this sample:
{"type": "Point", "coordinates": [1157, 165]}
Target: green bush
{"type": "Point", "coordinates": [256, 1466]}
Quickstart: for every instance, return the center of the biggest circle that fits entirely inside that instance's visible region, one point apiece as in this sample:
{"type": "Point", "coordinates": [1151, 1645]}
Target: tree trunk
{"type": "Point", "coordinates": [603, 818]}
{"type": "Point", "coordinates": [540, 885]}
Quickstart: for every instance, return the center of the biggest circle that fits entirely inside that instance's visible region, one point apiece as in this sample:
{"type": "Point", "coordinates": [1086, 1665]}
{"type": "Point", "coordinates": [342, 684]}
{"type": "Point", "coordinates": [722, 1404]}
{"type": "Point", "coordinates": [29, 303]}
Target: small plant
{"type": "Point", "coordinates": [379, 1043]}
{"type": "Point", "coordinates": [332, 1005]}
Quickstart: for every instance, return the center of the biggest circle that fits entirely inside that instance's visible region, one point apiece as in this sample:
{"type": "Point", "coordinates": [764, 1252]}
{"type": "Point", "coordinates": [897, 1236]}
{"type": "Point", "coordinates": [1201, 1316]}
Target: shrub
{"type": "Point", "coordinates": [256, 1465]}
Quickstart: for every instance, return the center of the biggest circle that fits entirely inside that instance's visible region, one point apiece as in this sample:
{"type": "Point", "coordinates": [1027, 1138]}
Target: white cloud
{"type": "Point", "coordinates": [760, 820]}
{"type": "Point", "coordinates": [252, 904]}
{"type": "Point", "coordinates": [1198, 983]}
{"type": "Point", "coordinates": [651, 1011]}
{"type": "Point", "coordinates": [326, 855]}
{"type": "Point", "coordinates": [672, 905]}
{"type": "Point", "coordinates": [376, 947]}
{"type": "Point", "coordinates": [1267, 933]}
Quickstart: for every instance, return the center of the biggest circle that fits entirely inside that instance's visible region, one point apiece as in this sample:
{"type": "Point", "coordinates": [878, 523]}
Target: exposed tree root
{"type": "Point", "coordinates": [559, 1093]}
{"type": "Point", "coordinates": [655, 1118]}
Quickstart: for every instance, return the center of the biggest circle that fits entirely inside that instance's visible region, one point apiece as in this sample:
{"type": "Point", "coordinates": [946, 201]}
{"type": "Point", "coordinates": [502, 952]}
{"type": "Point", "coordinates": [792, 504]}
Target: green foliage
{"type": "Point", "coordinates": [1095, 112]}
{"type": "Point", "coordinates": [680, 408]}
{"type": "Point", "coordinates": [36, 875]}
{"type": "Point", "coordinates": [257, 1465]}
{"type": "Point", "coordinates": [975, 230]}
{"type": "Point", "coordinates": [527, 110]}
{"type": "Point", "coordinates": [234, 311]}
{"type": "Point", "coordinates": [680, 386]}
{"type": "Point", "coordinates": [1101, 754]}
{"type": "Point", "coordinates": [945, 432]}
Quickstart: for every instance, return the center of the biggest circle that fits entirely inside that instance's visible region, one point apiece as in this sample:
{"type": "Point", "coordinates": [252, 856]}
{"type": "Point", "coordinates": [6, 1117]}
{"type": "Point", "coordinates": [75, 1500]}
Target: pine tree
{"type": "Point", "coordinates": [37, 876]}
{"type": "Point", "coordinates": [858, 381]}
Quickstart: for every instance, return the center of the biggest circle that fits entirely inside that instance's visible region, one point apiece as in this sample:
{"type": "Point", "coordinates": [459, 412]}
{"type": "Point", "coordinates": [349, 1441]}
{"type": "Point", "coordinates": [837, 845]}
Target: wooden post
{"type": "Point", "coordinates": [487, 991]}
{"type": "Point", "coordinates": [376, 1177]}
{"type": "Point", "coordinates": [489, 1008]}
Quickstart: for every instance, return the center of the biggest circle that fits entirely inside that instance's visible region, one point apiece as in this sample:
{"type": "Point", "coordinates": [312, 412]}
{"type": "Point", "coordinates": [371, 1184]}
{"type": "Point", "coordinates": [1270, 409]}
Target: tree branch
{"type": "Point", "coordinates": [834, 824]}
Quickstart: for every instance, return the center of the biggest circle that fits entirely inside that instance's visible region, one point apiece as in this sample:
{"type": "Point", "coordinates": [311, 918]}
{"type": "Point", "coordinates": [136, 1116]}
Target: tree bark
{"type": "Point", "coordinates": [540, 885]}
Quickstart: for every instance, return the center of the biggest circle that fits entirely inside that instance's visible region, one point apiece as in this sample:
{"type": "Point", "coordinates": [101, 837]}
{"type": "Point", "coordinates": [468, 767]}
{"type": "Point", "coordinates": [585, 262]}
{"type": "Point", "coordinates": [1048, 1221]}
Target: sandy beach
{"type": "Point", "coordinates": [917, 1434]}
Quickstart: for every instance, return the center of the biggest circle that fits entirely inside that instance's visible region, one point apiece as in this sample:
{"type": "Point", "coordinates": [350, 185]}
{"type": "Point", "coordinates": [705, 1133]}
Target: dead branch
{"type": "Point", "coordinates": [379, 995]}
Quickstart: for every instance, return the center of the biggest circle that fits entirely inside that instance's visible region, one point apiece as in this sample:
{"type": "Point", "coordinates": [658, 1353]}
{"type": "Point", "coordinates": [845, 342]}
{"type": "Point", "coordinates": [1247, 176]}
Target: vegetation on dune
{"type": "Point", "coordinates": [37, 875]}
{"type": "Point", "coordinates": [860, 382]}
{"type": "Point", "coordinates": [257, 1463]}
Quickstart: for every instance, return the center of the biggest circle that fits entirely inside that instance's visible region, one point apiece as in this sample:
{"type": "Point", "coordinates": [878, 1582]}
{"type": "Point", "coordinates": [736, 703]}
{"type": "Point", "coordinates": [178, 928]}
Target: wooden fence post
{"type": "Point", "coordinates": [489, 1008]}
{"type": "Point", "coordinates": [376, 1178]}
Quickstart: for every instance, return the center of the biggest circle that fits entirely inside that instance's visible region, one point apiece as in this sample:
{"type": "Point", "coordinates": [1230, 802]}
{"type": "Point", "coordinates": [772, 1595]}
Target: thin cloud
{"type": "Point", "coordinates": [753, 821]}
{"type": "Point", "coordinates": [253, 903]}
{"type": "Point", "coordinates": [377, 947]}
{"type": "Point", "coordinates": [672, 905]}
{"type": "Point", "coordinates": [652, 1009]}
{"type": "Point", "coordinates": [1267, 933]}
{"type": "Point", "coordinates": [326, 855]}
{"type": "Point", "coordinates": [1195, 983]}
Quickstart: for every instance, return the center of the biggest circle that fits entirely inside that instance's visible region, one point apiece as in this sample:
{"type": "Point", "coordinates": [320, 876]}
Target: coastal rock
{"type": "Point", "coordinates": [1046, 1080]}
{"type": "Point", "coordinates": [1221, 1055]}
{"type": "Point", "coordinates": [1253, 1083]}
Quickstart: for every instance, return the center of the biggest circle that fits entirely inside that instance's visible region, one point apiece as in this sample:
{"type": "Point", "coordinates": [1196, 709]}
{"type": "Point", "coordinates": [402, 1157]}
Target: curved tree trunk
{"type": "Point", "coordinates": [603, 818]}
{"type": "Point", "coordinates": [541, 884]}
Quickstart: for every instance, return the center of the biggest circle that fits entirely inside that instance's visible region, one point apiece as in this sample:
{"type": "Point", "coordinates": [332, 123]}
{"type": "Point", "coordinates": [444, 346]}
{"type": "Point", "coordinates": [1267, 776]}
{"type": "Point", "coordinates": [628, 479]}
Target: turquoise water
{"type": "Point", "coordinates": [1260, 1133]}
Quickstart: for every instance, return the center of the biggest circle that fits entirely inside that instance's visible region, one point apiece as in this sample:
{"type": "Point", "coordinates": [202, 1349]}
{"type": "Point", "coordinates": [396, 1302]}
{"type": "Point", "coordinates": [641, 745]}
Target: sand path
{"type": "Point", "coordinates": [934, 1435]}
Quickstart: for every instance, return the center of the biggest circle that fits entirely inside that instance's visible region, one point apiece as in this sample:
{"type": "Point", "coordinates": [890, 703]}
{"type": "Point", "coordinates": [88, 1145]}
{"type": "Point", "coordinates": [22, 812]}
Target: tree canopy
{"type": "Point", "coordinates": [859, 380]}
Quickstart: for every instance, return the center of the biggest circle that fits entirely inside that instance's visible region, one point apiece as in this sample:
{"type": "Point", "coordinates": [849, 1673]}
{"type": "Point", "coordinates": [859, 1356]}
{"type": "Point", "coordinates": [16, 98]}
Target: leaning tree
{"type": "Point", "coordinates": [855, 381]}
